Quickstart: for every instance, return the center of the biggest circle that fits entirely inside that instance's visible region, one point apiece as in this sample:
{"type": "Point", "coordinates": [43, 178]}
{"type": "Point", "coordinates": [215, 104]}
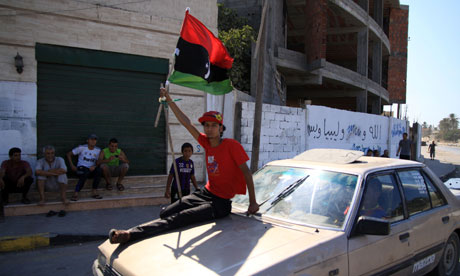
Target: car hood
{"type": "Point", "coordinates": [229, 246]}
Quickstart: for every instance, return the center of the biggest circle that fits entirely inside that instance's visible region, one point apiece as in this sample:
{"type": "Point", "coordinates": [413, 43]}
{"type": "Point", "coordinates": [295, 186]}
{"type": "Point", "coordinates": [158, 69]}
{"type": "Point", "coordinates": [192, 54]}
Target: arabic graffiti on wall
{"type": "Point", "coordinates": [364, 149]}
{"type": "Point", "coordinates": [333, 128]}
{"type": "Point", "coordinates": [398, 129]}
{"type": "Point", "coordinates": [335, 132]}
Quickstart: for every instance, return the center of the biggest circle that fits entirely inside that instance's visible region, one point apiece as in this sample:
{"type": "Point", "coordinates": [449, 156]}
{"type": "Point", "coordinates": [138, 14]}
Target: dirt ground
{"type": "Point", "coordinates": [445, 157]}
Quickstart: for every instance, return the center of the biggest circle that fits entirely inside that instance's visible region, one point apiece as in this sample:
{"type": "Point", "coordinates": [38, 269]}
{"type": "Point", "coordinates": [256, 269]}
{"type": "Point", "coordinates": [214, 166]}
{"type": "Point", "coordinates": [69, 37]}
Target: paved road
{"type": "Point", "coordinates": [75, 260]}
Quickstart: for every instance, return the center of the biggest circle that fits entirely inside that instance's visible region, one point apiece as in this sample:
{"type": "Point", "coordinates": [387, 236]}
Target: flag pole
{"type": "Point", "coordinates": [168, 131]}
{"type": "Point", "coordinates": [176, 172]}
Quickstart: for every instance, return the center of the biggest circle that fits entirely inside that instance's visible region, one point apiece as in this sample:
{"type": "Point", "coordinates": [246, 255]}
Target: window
{"type": "Point", "coordinates": [437, 198]}
{"type": "Point", "coordinates": [382, 198]}
{"type": "Point", "coordinates": [415, 191]}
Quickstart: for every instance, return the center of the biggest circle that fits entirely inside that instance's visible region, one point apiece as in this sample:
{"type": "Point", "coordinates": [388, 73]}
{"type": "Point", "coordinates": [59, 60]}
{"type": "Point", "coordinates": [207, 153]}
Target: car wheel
{"type": "Point", "coordinates": [449, 263]}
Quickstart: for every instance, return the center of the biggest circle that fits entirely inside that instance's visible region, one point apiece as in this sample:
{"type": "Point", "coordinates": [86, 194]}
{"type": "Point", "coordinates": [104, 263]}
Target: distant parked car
{"type": "Point", "coordinates": [324, 212]}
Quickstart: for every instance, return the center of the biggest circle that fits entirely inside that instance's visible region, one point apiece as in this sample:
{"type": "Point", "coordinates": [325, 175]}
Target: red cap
{"type": "Point", "coordinates": [211, 116]}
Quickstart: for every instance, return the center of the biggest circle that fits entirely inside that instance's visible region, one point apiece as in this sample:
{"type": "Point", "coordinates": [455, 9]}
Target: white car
{"type": "Point", "coordinates": [324, 212]}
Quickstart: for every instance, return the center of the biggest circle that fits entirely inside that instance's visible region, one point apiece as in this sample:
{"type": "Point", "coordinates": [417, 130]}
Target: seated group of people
{"type": "Point", "coordinates": [376, 153]}
{"type": "Point", "coordinates": [51, 171]}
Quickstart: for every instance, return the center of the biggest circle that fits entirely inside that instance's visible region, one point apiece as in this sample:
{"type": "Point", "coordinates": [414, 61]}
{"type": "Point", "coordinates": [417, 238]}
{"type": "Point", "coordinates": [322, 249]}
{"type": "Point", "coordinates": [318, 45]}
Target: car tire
{"type": "Point", "coordinates": [449, 264]}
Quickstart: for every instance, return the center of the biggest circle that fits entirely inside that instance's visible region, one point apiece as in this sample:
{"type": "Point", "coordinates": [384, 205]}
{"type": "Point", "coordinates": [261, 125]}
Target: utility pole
{"type": "Point", "coordinates": [259, 53]}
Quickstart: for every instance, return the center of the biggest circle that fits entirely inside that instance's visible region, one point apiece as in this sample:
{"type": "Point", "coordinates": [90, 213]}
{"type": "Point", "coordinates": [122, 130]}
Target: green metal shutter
{"type": "Point", "coordinates": [98, 94]}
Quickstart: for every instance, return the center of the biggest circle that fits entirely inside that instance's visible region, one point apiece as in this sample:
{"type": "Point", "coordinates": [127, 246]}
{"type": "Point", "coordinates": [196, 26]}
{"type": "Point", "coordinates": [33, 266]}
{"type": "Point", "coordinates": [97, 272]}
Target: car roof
{"type": "Point", "coordinates": [340, 160]}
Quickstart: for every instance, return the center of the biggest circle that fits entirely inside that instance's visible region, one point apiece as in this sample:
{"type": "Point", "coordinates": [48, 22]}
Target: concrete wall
{"type": "Point", "coordinates": [148, 28]}
{"type": "Point", "coordinates": [288, 131]}
{"type": "Point", "coordinates": [334, 128]}
{"type": "Point", "coordinates": [18, 125]}
{"type": "Point", "coordinates": [282, 133]}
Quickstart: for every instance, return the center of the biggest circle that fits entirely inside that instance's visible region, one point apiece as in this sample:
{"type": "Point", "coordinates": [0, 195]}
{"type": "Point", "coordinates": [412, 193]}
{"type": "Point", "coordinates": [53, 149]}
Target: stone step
{"type": "Point", "coordinates": [34, 196]}
{"type": "Point", "coordinates": [139, 191]}
{"type": "Point", "coordinates": [133, 185]}
{"type": "Point", "coordinates": [137, 180]}
{"type": "Point", "coordinates": [112, 201]}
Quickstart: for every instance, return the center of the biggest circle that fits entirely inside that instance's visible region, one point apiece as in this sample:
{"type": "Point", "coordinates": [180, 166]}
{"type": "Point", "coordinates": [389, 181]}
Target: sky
{"type": "Point", "coordinates": [433, 69]}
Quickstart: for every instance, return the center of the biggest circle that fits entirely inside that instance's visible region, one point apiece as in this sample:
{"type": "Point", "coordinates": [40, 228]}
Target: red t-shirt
{"type": "Point", "coordinates": [14, 171]}
{"type": "Point", "coordinates": [222, 163]}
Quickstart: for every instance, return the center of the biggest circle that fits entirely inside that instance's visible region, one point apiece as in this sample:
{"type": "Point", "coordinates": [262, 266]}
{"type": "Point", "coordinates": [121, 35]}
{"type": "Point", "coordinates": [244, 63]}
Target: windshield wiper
{"type": "Point", "coordinates": [286, 192]}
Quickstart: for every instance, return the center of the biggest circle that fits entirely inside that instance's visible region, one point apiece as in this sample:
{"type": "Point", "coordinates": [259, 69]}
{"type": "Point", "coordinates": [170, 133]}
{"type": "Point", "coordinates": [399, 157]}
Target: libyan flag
{"type": "Point", "coordinates": [201, 60]}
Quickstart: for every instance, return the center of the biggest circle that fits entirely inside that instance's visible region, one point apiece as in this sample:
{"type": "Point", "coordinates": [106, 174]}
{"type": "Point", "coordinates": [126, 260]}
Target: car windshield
{"type": "Point", "coordinates": [308, 196]}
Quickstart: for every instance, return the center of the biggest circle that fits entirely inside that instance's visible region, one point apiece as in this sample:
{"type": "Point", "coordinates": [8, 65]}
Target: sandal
{"type": "Point", "coordinates": [109, 187]}
{"type": "Point", "coordinates": [97, 197]}
{"type": "Point", "coordinates": [120, 187]}
{"type": "Point", "coordinates": [51, 213]}
{"type": "Point", "coordinates": [74, 198]}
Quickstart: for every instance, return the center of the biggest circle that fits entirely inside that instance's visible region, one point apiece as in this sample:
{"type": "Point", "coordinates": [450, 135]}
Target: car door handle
{"type": "Point", "coordinates": [404, 237]}
{"type": "Point", "coordinates": [445, 219]}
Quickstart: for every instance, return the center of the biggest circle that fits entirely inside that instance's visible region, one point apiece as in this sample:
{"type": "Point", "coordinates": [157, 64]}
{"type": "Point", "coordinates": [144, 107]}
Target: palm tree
{"type": "Point", "coordinates": [453, 120]}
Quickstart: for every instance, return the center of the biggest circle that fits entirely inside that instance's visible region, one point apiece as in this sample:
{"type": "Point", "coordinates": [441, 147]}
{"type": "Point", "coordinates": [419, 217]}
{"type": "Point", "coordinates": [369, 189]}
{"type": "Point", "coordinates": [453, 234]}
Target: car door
{"type": "Point", "coordinates": [428, 217]}
{"type": "Point", "coordinates": [390, 254]}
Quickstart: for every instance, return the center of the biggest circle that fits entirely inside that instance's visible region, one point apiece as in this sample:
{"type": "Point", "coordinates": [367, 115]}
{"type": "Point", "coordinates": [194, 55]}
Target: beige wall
{"type": "Point", "coordinates": [148, 28]}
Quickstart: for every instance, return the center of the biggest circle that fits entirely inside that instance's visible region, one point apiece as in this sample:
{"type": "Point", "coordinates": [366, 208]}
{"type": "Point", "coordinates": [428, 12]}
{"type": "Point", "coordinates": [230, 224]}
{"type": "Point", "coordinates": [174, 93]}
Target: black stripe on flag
{"type": "Point", "coordinates": [194, 59]}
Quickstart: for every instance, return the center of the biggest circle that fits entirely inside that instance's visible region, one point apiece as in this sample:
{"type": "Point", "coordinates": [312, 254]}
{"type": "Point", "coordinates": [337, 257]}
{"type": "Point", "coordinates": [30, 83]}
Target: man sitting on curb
{"type": "Point", "coordinates": [86, 166]}
{"type": "Point", "coordinates": [51, 173]}
{"type": "Point", "coordinates": [109, 160]}
{"type": "Point", "coordinates": [15, 176]}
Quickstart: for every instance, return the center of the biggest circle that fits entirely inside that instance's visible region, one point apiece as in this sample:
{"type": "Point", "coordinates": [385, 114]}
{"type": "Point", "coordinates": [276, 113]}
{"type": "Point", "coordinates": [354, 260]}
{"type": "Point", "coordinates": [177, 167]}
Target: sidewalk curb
{"type": "Point", "coordinates": [31, 242]}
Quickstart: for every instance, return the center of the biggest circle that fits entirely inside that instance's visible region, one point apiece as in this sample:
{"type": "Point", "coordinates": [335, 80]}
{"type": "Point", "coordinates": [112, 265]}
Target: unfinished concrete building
{"type": "Point", "coordinates": [346, 54]}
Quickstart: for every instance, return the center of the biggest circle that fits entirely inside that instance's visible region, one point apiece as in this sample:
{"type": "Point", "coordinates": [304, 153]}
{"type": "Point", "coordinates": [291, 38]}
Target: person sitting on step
{"type": "Point", "coordinates": [51, 174]}
{"type": "Point", "coordinates": [86, 166]}
{"type": "Point", "coordinates": [113, 162]}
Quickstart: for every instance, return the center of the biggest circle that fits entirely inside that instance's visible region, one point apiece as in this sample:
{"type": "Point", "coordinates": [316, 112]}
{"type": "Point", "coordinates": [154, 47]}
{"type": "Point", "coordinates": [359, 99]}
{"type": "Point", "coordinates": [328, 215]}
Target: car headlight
{"type": "Point", "coordinates": [102, 261]}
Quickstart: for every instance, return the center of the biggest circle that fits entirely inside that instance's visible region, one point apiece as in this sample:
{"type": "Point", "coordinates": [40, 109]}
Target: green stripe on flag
{"type": "Point", "coordinates": [195, 82]}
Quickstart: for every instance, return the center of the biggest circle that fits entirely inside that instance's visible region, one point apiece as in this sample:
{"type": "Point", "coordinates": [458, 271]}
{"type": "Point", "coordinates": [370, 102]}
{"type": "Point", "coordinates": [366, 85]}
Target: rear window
{"type": "Point", "coordinates": [437, 199]}
{"type": "Point", "coordinates": [415, 191]}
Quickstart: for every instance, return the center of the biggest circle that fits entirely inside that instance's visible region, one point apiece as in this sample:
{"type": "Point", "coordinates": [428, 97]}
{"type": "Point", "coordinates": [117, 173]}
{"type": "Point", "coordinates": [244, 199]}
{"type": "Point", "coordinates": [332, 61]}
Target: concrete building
{"type": "Point", "coordinates": [93, 66]}
{"type": "Point", "coordinates": [346, 54]}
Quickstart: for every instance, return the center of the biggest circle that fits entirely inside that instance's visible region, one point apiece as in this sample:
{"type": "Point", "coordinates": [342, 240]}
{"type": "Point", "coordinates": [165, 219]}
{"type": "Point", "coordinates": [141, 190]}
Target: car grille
{"type": "Point", "coordinates": [110, 271]}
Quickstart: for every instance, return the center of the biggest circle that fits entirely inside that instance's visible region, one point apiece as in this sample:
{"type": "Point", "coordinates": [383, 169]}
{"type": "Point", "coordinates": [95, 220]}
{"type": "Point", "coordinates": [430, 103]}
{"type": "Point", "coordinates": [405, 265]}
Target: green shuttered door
{"type": "Point", "coordinates": [109, 94]}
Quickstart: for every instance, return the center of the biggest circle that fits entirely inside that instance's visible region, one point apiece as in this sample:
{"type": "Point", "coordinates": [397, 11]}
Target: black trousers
{"type": "Point", "coordinates": [403, 156]}
{"type": "Point", "coordinates": [84, 173]}
{"type": "Point", "coordinates": [175, 194]}
{"type": "Point", "coordinates": [11, 187]}
{"type": "Point", "coordinates": [200, 206]}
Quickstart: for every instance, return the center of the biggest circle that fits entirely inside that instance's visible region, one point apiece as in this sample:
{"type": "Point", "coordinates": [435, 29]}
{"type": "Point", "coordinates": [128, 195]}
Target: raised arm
{"type": "Point", "coordinates": [183, 119]}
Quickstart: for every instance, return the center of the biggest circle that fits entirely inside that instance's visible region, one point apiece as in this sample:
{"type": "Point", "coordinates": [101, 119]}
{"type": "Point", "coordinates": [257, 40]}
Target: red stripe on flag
{"type": "Point", "coordinates": [195, 32]}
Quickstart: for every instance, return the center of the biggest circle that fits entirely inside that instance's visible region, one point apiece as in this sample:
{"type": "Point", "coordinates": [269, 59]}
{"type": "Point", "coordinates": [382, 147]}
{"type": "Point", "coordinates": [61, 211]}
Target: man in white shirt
{"type": "Point", "coordinates": [51, 173]}
{"type": "Point", "coordinates": [86, 166]}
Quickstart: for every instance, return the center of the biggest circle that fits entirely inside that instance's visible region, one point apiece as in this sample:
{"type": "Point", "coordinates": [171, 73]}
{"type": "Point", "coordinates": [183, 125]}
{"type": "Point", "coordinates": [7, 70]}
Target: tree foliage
{"type": "Point", "coordinates": [237, 37]}
{"type": "Point", "coordinates": [448, 128]}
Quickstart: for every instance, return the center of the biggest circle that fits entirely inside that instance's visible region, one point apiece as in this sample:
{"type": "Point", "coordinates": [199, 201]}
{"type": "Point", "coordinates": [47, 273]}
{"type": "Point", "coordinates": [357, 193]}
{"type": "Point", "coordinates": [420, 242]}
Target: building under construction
{"type": "Point", "coordinates": [346, 54]}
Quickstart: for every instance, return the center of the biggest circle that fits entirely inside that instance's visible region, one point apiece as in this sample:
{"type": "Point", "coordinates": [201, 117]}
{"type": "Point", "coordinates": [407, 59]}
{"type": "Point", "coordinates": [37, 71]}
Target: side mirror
{"type": "Point", "coordinates": [372, 226]}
